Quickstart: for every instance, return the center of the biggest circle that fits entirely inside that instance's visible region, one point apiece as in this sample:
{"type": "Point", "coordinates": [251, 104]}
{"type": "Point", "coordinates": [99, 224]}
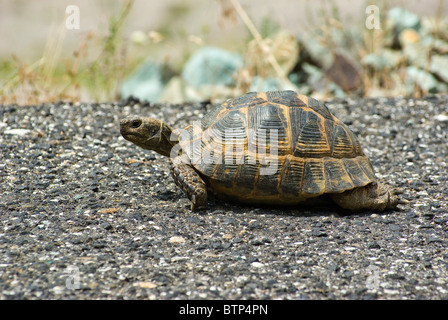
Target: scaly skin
{"type": "Point", "coordinates": [189, 181]}
{"type": "Point", "coordinates": [375, 196]}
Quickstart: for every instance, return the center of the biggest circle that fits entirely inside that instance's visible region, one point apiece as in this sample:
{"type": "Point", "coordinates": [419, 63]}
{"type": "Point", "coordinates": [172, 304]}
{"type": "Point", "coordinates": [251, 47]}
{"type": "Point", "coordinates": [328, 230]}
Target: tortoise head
{"type": "Point", "coordinates": [148, 133]}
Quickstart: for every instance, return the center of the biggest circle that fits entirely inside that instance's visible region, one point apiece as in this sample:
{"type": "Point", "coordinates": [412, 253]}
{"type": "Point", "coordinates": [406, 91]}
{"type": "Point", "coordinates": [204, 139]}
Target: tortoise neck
{"type": "Point", "coordinates": [168, 140]}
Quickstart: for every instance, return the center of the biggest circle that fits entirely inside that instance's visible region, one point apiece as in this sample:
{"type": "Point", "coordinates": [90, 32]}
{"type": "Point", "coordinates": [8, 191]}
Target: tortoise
{"type": "Point", "coordinates": [267, 148]}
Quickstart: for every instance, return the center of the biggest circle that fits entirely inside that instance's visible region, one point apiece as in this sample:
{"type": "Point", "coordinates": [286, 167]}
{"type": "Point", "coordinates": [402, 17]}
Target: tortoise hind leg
{"type": "Point", "coordinates": [189, 181]}
{"type": "Point", "coordinates": [374, 196]}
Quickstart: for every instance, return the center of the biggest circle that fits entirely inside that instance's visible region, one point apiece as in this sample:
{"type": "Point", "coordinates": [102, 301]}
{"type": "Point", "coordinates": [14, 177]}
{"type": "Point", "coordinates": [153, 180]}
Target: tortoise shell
{"type": "Point", "coordinates": [275, 147]}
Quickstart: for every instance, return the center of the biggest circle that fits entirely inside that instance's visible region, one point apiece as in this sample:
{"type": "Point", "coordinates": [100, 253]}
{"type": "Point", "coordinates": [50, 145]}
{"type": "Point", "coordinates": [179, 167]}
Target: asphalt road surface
{"type": "Point", "coordinates": [84, 214]}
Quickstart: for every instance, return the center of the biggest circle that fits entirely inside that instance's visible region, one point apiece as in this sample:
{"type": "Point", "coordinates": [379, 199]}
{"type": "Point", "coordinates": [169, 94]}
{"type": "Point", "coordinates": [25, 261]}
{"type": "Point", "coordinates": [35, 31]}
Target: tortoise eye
{"type": "Point", "coordinates": [136, 123]}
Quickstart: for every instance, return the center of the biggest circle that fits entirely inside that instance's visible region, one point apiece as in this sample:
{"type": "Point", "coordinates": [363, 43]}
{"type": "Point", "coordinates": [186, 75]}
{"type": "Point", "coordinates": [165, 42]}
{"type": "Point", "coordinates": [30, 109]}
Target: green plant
{"type": "Point", "coordinates": [53, 77]}
{"type": "Point", "coordinates": [102, 77]}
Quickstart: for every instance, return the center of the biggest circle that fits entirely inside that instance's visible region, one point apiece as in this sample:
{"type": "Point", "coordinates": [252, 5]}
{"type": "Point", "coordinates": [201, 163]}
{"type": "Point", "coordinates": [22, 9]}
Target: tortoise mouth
{"type": "Point", "coordinates": [130, 132]}
{"type": "Point", "coordinates": [143, 141]}
{"type": "Point", "coordinates": [130, 136]}
{"type": "Point", "coordinates": [133, 137]}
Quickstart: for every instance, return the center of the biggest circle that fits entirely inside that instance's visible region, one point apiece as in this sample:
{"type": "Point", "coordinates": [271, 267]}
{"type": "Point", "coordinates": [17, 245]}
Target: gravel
{"type": "Point", "coordinates": [85, 214]}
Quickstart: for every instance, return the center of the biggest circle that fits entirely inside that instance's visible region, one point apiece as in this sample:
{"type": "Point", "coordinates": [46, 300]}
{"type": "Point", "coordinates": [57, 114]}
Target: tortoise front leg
{"type": "Point", "coordinates": [189, 181]}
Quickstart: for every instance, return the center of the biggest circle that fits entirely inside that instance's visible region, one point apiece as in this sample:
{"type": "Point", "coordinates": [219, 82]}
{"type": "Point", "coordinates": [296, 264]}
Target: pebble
{"type": "Point", "coordinates": [373, 245]}
{"type": "Point", "coordinates": [177, 239]}
{"type": "Point", "coordinates": [18, 132]}
{"type": "Point", "coordinates": [443, 117]}
{"type": "Point", "coordinates": [106, 225]}
{"type": "Point", "coordinates": [145, 284]}
{"type": "Point", "coordinates": [318, 233]}
{"type": "Point", "coordinates": [257, 264]}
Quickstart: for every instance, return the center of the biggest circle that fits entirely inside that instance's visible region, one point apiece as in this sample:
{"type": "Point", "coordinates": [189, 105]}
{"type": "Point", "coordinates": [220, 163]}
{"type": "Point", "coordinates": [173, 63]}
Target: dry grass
{"type": "Point", "coordinates": [53, 77]}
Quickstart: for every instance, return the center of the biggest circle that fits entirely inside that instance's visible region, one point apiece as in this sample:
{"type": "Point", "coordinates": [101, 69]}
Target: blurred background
{"type": "Point", "coordinates": [182, 51]}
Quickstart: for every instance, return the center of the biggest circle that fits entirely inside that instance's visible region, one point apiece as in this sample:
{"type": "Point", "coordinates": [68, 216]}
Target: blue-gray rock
{"type": "Point", "coordinates": [318, 51]}
{"type": "Point", "coordinates": [18, 132]}
{"type": "Point", "coordinates": [386, 58]}
{"type": "Point", "coordinates": [439, 66]}
{"type": "Point", "coordinates": [423, 79]}
{"type": "Point", "coordinates": [265, 84]}
{"type": "Point", "coordinates": [212, 66]}
{"type": "Point", "coordinates": [401, 19]}
{"type": "Point", "coordinates": [147, 82]}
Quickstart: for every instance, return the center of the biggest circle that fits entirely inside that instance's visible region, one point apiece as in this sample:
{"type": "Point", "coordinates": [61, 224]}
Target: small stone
{"type": "Point", "coordinates": [373, 245]}
{"type": "Point", "coordinates": [136, 216]}
{"type": "Point", "coordinates": [216, 245]}
{"type": "Point", "coordinates": [434, 240]}
{"type": "Point", "coordinates": [145, 284]}
{"type": "Point", "coordinates": [105, 157]}
{"type": "Point", "coordinates": [99, 244]}
{"type": "Point", "coordinates": [257, 264]}
{"type": "Point", "coordinates": [106, 225]}
{"type": "Point", "coordinates": [171, 215]}
{"type": "Point", "coordinates": [411, 215]}
{"type": "Point", "coordinates": [109, 210]}
{"type": "Point", "coordinates": [18, 132]}
{"type": "Point", "coordinates": [218, 212]}
{"type": "Point", "coordinates": [255, 225]}
{"type": "Point", "coordinates": [256, 242]}
{"type": "Point", "coordinates": [177, 239]}
{"type": "Point", "coordinates": [58, 289]}
{"type": "Point", "coordinates": [318, 233]}
{"type": "Point", "coordinates": [114, 184]}
{"type": "Point", "coordinates": [395, 227]}
{"type": "Point", "coordinates": [443, 117]}
{"type": "Point", "coordinates": [92, 285]}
